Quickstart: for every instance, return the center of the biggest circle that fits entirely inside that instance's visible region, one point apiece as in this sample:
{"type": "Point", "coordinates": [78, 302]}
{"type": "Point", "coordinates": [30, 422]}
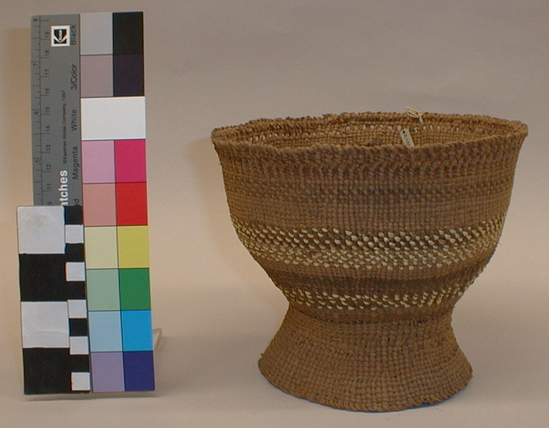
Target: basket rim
{"type": "Point", "coordinates": [238, 136]}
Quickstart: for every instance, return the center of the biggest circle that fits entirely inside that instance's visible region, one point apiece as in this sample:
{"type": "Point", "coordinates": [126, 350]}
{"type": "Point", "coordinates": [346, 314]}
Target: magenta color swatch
{"type": "Point", "coordinates": [98, 162]}
{"type": "Point", "coordinates": [96, 76]}
{"type": "Point", "coordinates": [130, 161]}
{"type": "Point", "coordinates": [99, 204]}
{"type": "Point", "coordinates": [107, 371]}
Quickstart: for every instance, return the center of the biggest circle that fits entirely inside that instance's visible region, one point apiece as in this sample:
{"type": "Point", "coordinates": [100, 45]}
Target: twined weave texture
{"type": "Point", "coordinates": [372, 242]}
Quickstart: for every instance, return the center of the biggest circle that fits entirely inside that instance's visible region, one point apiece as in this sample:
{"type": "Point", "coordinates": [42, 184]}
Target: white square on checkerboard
{"type": "Point", "coordinates": [74, 234]}
{"type": "Point", "coordinates": [75, 271]}
{"type": "Point", "coordinates": [41, 230]}
{"type": "Point", "coordinates": [45, 324]}
{"type": "Point", "coordinates": [80, 381]}
{"type": "Point", "coordinates": [79, 345]}
{"type": "Point", "coordinates": [77, 308]}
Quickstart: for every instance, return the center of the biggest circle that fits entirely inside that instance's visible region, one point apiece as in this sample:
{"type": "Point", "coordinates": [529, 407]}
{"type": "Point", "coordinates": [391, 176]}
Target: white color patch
{"type": "Point", "coordinates": [41, 230]}
{"type": "Point", "coordinates": [45, 324]}
{"type": "Point", "coordinates": [114, 118]}
{"type": "Point", "coordinates": [74, 234]}
{"type": "Point", "coordinates": [79, 345]}
{"type": "Point", "coordinates": [80, 381]}
{"type": "Point", "coordinates": [77, 308]}
{"type": "Point", "coordinates": [75, 271]}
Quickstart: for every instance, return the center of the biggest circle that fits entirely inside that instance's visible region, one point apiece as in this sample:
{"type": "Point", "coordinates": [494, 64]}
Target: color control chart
{"type": "Point", "coordinates": [83, 246]}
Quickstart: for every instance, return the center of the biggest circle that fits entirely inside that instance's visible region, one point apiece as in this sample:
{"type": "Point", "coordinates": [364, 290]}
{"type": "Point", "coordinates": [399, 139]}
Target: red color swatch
{"type": "Point", "coordinates": [131, 204]}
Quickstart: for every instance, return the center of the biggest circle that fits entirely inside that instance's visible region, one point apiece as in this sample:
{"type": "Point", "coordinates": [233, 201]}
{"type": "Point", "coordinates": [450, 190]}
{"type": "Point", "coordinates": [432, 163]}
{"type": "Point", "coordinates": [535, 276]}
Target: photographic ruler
{"type": "Point", "coordinates": [56, 144]}
{"type": "Point", "coordinates": [83, 246]}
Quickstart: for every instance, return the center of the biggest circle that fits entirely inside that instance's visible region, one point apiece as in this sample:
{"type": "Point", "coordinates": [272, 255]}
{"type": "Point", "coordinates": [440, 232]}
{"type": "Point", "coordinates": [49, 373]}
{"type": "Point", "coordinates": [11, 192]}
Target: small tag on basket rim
{"type": "Point", "coordinates": [412, 112]}
{"type": "Point", "coordinates": [406, 137]}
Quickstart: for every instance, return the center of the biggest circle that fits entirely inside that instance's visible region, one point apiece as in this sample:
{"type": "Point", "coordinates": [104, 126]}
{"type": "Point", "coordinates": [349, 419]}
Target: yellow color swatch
{"type": "Point", "coordinates": [133, 247]}
{"type": "Point", "coordinates": [101, 247]}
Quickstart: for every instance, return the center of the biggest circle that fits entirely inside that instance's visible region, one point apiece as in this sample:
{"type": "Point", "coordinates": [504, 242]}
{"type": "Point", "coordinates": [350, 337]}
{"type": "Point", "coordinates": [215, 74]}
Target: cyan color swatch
{"type": "Point", "coordinates": [137, 331]}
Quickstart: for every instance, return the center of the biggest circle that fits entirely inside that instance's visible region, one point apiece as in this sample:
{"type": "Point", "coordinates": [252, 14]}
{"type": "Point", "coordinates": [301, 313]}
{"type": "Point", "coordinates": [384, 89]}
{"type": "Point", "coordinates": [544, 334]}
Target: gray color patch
{"type": "Point", "coordinates": [96, 31]}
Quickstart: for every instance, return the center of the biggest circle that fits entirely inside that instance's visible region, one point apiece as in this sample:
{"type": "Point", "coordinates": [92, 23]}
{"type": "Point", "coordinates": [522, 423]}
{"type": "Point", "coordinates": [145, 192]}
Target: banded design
{"type": "Point", "coordinates": [374, 301]}
{"type": "Point", "coordinates": [392, 251]}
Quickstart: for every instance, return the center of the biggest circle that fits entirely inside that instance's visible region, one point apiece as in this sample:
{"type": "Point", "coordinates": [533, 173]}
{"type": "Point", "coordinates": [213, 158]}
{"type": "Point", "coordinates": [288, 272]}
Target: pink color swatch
{"type": "Point", "coordinates": [97, 162]}
{"type": "Point", "coordinates": [99, 204]}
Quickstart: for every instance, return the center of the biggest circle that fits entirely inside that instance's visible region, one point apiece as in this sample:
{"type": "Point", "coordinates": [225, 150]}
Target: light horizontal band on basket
{"type": "Point", "coordinates": [320, 247]}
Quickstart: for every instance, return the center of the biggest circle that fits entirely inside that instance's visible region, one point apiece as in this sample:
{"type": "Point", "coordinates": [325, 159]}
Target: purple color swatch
{"type": "Point", "coordinates": [107, 371]}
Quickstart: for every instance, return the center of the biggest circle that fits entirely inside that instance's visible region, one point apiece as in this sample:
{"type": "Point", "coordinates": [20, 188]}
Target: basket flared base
{"type": "Point", "coordinates": [383, 366]}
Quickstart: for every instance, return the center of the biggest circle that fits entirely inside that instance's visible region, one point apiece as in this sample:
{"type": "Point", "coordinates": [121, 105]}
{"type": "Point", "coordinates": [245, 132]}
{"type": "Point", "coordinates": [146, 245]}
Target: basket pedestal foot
{"type": "Point", "coordinates": [381, 366]}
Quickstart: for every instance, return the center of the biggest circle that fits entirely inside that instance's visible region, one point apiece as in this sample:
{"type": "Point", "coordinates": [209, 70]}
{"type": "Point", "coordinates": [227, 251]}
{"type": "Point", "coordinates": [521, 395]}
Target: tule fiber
{"type": "Point", "coordinates": [372, 242]}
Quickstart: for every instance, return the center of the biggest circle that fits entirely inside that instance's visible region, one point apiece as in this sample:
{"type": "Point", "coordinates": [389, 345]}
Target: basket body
{"type": "Point", "coordinates": [371, 242]}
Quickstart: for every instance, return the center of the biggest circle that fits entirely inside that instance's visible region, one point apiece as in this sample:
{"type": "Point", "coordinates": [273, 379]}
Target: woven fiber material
{"type": "Point", "coordinates": [372, 242]}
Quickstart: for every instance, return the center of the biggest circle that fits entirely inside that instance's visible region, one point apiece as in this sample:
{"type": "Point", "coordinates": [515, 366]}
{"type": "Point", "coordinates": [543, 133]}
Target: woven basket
{"type": "Point", "coordinates": [372, 242]}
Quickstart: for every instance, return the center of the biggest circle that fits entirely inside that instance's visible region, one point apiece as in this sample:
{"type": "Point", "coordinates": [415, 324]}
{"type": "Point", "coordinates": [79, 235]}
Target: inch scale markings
{"type": "Point", "coordinates": [56, 137]}
{"type": "Point", "coordinates": [36, 110]}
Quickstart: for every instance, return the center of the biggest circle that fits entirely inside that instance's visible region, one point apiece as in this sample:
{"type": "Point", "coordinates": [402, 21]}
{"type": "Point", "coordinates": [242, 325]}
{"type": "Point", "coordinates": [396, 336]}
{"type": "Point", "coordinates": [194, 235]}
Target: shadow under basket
{"type": "Point", "coordinates": [372, 242]}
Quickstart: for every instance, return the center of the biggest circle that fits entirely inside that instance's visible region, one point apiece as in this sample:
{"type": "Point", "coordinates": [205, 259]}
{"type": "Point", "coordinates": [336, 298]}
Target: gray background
{"type": "Point", "coordinates": [223, 62]}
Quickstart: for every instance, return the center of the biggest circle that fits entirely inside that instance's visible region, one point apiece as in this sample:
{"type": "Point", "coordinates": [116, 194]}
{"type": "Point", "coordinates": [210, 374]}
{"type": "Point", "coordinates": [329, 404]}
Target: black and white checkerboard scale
{"type": "Point", "coordinates": [53, 300]}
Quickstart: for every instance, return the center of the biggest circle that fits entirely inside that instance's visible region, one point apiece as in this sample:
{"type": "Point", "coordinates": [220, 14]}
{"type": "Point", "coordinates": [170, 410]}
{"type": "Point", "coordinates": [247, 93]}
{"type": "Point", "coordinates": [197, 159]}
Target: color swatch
{"type": "Point", "coordinates": [114, 191]}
